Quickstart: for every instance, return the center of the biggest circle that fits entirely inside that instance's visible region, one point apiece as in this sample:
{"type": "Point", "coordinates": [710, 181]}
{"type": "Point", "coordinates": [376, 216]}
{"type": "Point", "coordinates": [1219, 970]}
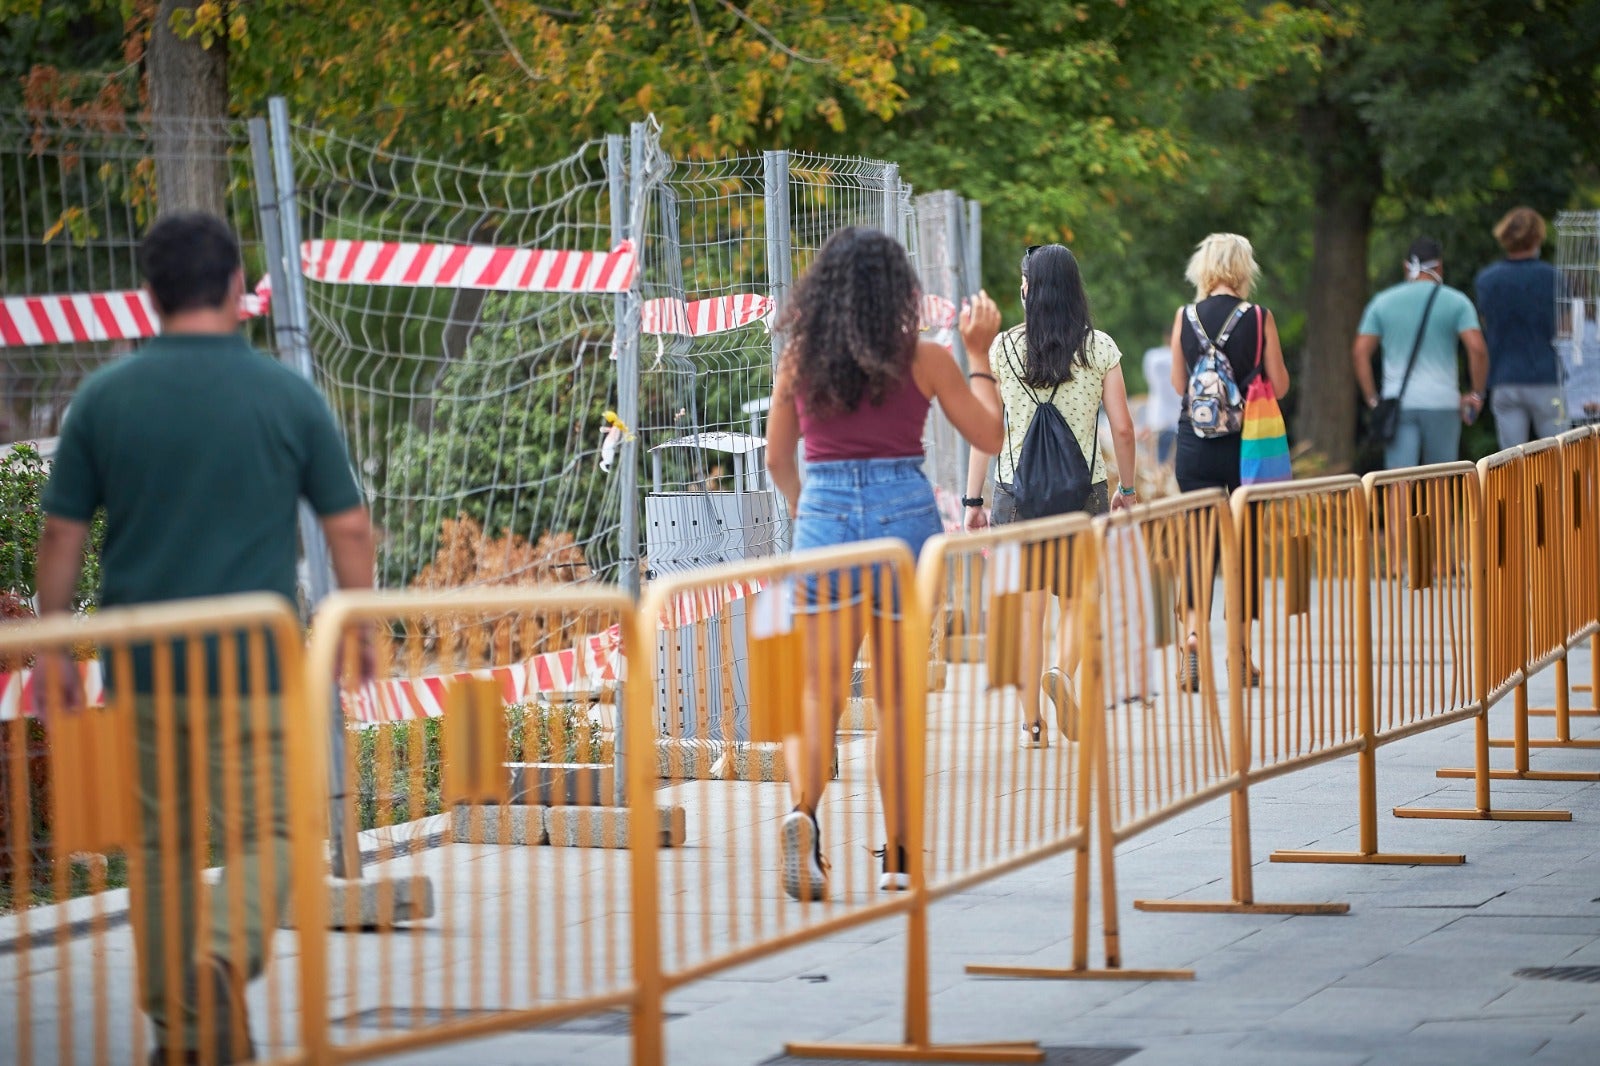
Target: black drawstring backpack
{"type": "Point", "coordinates": [1051, 475]}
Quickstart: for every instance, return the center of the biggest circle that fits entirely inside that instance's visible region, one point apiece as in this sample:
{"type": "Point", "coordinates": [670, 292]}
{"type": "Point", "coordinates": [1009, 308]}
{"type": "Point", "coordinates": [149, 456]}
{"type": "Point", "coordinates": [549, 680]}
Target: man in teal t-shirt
{"type": "Point", "coordinates": [199, 448]}
{"type": "Point", "coordinates": [1432, 406]}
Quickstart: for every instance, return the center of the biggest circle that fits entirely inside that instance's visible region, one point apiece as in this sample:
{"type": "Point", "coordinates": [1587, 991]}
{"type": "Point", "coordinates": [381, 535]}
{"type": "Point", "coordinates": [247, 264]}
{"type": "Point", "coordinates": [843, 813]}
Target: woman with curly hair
{"type": "Point", "coordinates": [855, 383]}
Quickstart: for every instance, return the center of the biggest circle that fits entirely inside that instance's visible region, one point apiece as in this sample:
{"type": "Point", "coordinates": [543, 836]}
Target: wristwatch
{"type": "Point", "coordinates": [972, 501]}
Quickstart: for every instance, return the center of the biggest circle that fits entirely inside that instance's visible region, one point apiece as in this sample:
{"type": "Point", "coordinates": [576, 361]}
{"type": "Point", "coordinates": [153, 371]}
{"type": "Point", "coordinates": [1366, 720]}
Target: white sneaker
{"type": "Point", "coordinates": [895, 876]}
{"type": "Point", "coordinates": [1058, 690]}
{"type": "Point", "coordinates": [805, 876]}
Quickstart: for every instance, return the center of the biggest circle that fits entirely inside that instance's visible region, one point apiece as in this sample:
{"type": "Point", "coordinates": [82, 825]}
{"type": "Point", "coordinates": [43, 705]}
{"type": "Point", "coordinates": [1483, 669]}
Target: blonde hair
{"type": "Point", "coordinates": [1522, 230]}
{"type": "Point", "coordinates": [1222, 259]}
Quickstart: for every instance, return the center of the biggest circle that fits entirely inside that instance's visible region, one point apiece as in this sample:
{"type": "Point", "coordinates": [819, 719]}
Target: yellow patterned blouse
{"type": "Point", "coordinates": [1078, 400]}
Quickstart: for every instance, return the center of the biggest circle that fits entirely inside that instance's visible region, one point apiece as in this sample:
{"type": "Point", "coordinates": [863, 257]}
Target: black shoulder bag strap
{"type": "Point", "coordinates": [1416, 345]}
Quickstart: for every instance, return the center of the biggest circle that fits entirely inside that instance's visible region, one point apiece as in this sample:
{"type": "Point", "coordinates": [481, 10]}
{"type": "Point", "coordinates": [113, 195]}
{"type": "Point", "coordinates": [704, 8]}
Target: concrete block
{"type": "Point", "coordinates": [607, 827]}
{"type": "Point", "coordinates": [860, 714]}
{"type": "Point", "coordinates": [524, 825]}
{"type": "Point", "coordinates": [375, 903]}
{"type": "Point", "coordinates": [708, 760]}
{"type": "Point", "coordinates": [561, 784]}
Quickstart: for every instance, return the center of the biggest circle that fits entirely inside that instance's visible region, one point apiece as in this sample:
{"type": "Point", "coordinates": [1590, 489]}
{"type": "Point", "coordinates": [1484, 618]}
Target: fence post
{"type": "Point", "coordinates": [893, 224]}
{"type": "Point", "coordinates": [780, 262]}
{"type": "Point", "coordinates": [973, 245]}
{"type": "Point", "coordinates": [625, 308]}
{"type": "Point", "coordinates": [291, 318]}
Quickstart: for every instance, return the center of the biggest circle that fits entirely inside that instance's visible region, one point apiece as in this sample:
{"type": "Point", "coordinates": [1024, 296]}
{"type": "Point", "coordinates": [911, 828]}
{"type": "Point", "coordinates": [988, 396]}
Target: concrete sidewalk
{"type": "Point", "coordinates": [1422, 970]}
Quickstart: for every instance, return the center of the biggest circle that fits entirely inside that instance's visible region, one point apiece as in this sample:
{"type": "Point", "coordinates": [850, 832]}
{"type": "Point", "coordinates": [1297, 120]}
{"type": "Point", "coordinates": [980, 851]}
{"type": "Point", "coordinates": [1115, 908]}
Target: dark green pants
{"type": "Point", "coordinates": [207, 798]}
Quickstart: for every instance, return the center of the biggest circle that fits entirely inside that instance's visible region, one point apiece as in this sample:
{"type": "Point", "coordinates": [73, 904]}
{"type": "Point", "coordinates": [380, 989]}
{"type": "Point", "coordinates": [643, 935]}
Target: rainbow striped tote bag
{"type": "Point", "coordinates": [1264, 447]}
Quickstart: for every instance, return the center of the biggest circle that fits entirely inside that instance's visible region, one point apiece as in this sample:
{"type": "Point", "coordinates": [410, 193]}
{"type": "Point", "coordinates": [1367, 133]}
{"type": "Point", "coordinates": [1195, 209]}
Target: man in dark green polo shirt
{"type": "Point", "coordinates": [199, 448]}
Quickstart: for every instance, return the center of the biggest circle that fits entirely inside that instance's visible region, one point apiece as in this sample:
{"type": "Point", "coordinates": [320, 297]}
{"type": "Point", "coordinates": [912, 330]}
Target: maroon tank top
{"type": "Point", "coordinates": [888, 430]}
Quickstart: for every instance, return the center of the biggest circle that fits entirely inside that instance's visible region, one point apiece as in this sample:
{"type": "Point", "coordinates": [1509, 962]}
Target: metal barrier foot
{"type": "Point", "coordinates": [1003, 1051]}
{"type": "Point", "coordinates": [1550, 712]}
{"type": "Point", "coordinates": [1523, 775]}
{"type": "Point", "coordinates": [1185, 906]}
{"type": "Point", "coordinates": [1494, 814]}
{"type": "Point", "coordinates": [1547, 742]}
{"type": "Point", "coordinates": [1377, 858]}
{"type": "Point", "coordinates": [1049, 973]}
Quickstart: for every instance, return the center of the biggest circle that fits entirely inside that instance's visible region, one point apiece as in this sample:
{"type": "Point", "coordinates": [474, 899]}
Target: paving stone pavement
{"type": "Point", "coordinates": [1421, 971]}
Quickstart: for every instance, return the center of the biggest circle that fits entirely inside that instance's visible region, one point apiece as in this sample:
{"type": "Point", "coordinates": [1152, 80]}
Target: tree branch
{"type": "Point", "coordinates": [511, 47]}
{"type": "Point", "coordinates": [705, 56]}
{"type": "Point", "coordinates": [766, 33]}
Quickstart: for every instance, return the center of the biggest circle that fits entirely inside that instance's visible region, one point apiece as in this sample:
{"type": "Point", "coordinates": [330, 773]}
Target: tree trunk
{"type": "Point", "coordinates": [1348, 178]}
{"type": "Point", "coordinates": [188, 104]}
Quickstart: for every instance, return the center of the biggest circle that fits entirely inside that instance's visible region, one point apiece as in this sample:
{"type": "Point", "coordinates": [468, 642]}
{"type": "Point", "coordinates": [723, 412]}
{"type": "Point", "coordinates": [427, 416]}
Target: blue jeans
{"type": "Point", "coordinates": [851, 500]}
{"type": "Point", "coordinates": [1424, 437]}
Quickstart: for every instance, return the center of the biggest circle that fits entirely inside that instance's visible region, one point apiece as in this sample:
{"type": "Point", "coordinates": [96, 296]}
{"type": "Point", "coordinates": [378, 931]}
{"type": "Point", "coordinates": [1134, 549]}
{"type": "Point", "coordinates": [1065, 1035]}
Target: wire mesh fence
{"type": "Point", "coordinates": [499, 424]}
{"type": "Point", "coordinates": [1577, 260]}
{"type": "Point", "coordinates": [75, 197]}
{"type": "Point", "coordinates": [472, 415]}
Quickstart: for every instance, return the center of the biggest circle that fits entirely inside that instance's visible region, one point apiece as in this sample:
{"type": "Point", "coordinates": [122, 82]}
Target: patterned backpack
{"type": "Point", "coordinates": [1216, 406]}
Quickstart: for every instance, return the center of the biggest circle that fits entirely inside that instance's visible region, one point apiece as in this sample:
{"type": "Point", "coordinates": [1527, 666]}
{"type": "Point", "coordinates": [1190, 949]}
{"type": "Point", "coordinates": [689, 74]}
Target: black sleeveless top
{"type": "Point", "coordinates": [1240, 349]}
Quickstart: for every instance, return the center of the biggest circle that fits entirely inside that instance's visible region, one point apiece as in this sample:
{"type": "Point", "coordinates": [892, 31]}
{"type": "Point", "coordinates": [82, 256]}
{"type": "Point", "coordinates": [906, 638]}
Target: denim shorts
{"type": "Point", "coordinates": [852, 500]}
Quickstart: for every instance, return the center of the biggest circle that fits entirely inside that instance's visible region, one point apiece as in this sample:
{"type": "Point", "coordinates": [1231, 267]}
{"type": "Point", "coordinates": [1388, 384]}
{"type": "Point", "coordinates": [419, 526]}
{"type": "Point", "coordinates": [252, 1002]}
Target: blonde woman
{"type": "Point", "coordinates": [1223, 271]}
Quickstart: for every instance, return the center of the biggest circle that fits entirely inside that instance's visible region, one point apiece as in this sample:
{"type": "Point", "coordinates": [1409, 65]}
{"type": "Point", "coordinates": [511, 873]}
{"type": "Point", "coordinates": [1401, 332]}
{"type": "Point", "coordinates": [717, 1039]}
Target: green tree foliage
{"type": "Point", "coordinates": [1429, 117]}
{"type": "Point", "coordinates": [23, 474]}
{"type": "Point", "coordinates": [510, 444]}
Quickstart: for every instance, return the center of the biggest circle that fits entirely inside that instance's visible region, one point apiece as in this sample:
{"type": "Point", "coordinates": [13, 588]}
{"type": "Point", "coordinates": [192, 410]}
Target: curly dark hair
{"type": "Point", "coordinates": [851, 322]}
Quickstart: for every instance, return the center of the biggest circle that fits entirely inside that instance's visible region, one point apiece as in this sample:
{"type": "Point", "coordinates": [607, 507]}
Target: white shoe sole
{"type": "Point", "coordinates": [803, 878]}
{"type": "Point", "coordinates": [894, 882]}
{"type": "Point", "coordinates": [1058, 690]}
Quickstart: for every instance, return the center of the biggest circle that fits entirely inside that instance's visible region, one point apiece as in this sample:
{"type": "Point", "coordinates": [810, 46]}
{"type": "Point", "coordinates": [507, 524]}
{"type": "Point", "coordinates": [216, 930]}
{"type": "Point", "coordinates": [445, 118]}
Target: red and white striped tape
{"type": "Point", "coordinates": [469, 266]}
{"type": "Point", "coordinates": [16, 690]}
{"type": "Point", "coordinates": [700, 318]}
{"type": "Point", "coordinates": [936, 312]}
{"type": "Point", "coordinates": [82, 318]}
{"type": "Point", "coordinates": [399, 699]}
{"type": "Point", "coordinates": [688, 608]}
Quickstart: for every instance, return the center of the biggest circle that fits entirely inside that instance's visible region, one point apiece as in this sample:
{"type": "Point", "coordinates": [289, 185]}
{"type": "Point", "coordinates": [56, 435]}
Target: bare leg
{"type": "Point", "coordinates": [1035, 616]}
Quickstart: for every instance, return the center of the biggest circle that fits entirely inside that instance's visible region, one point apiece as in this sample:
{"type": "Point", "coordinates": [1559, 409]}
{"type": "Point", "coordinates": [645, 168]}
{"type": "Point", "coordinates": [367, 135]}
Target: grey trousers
{"type": "Point", "coordinates": [1523, 413]}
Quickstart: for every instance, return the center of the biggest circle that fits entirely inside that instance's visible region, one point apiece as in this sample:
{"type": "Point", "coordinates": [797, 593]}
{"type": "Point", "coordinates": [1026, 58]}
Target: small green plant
{"type": "Point", "coordinates": [23, 474]}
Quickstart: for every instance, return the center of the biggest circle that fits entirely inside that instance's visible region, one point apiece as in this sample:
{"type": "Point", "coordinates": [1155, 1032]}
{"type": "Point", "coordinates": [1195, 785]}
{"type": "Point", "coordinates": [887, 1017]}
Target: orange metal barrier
{"type": "Point", "coordinates": [1164, 745]}
{"type": "Point", "coordinates": [1524, 606]}
{"type": "Point", "coordinates": [998, 796]}
{"type": "Point", "coordinates": [1424, 666]}
{"type": "Point", "coordinates": [180, 801]}
{"type": "Point", "coordinates": [1580, 579]}
{"type": "Point", "coordinates": [1296, 618]}
{"type": "Point", "coordinates": [521, 934]}
{"type": "Point", "coordinates": [757, 875]}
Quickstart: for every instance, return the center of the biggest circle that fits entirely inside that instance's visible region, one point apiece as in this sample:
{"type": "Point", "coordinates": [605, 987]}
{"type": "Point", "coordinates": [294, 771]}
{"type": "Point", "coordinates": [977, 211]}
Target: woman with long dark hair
{"type": "Point", "coordinates": [1055, 356]}
{"type": "Point", "coordinates": [856, 383]}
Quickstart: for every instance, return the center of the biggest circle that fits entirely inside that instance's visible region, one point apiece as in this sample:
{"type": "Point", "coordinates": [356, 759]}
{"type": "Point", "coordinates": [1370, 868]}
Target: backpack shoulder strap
{"type": "Point", "coordinates": [1200, 334]}
{"type": "Point", "coordinates": [1233, 321]}
{"type": "Point", "coordinates": [1016, 371]}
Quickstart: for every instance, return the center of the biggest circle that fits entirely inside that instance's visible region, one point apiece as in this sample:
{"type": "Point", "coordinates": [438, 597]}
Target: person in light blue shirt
{"type": "Point", "coordinates": [1432, 406]}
